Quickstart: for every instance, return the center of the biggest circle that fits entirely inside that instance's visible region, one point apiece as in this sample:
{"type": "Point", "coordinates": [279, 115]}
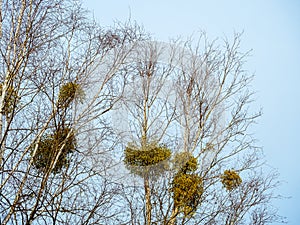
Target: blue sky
{"type": "Point", "coordinates": [272, 30]}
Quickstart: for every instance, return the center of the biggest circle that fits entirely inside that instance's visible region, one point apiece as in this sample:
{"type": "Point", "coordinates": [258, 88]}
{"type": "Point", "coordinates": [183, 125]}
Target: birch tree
{"type": "Point", "coordinates": [149, 114]}
{"type": "Point", "coordinates": [58, 77]}
{"type": "Point", "coordinates": [107, 126]}
{"type": "Point", "coordinates": [214, 111]}
{"type": "Point", "coordinates": [214, 172]}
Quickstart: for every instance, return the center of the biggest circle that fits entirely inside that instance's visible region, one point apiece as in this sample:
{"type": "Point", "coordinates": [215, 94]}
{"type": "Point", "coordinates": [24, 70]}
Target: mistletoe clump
{"type": "Point", "coordinates": [231, 179]}
{"type": "Point", "coordinates": [60, 144]}
{"type": "Point", "coordinates": [185, 162]}
{"type": "Point", "coordinates": [145, 157]}
{"type": "Point", "coordinates": [187, 191]}
{"type": "Point", "coordinates": [10, 100]}
{"type": "Point", "coordinates": [187, 186]}
{"type": "Point", "coordinates": [149, 159]}
{"type": "Point", "coordinates": [67, 94]}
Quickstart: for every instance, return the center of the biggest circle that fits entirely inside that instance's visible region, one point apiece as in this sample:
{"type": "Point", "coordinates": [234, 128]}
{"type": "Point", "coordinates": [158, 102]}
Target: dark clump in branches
{"type": "Point", "coordinates": [187, 191]}
{"type": "Point", "coordinates": [187, 186]}
{"type": "Point", "coordinates": [231, 179]}
{"type": "Point", "coordinates": [185, 162]}
{"type": "Point", "coordinates": [53, 151]}
{"type": "Point", "coordinates": [153, 159]}
{"type": "Point", "coordinates": [67, 94]}
{"type": "Point", "coordinates": [146, 157]}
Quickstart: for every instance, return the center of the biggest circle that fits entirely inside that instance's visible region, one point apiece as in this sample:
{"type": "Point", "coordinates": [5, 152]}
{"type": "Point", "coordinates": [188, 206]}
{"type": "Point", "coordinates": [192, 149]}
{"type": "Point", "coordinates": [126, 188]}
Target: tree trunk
{"type": "Point", "coordinates": [148, 200]}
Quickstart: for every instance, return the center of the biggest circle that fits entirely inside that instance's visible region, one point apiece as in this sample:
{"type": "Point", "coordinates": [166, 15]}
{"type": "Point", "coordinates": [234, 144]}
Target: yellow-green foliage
{"type": "Point", "coordinates": [187, 187]}
{"type": "Point", "coordinates": [68, 93]}
{"type": "Point", "coordinates": [187, 190]}
{"type": "Point", "coordinates": [151, 155]}
{"type": "Point", "coordinates": [185, 162]}
{"type": "Point", "coordinates": [152, 160]}
{"type": "Point", "coordinates": [230, 179]}
{"type": "Point", "coordinates": [48, 148]}
{"type": "Point", "coordinates": [10, 100]}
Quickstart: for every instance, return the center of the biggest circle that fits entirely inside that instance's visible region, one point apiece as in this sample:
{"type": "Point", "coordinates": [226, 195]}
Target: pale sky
{"type": "Point", "coordinates": [272, 30]}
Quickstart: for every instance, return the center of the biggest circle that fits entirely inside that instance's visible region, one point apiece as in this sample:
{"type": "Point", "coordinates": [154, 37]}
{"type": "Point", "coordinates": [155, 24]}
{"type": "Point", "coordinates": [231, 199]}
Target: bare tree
{"type": "Point", "coordinates": [76, 98]}
{"type": "Point", "coordinates": [207, 128]}
{"type": "Point", "coordinates": [148, 111]}
{"type": "Point", "coordinates": [58, 81]}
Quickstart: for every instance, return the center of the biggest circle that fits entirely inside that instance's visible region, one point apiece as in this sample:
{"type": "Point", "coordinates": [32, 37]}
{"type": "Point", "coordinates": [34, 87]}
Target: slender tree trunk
{"type": "Point", "coordinates": [2, 145]}
{"type": "Point", "coordinates": [144, 146]}
{"type": "Point", "coordinates": [148, 200]}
